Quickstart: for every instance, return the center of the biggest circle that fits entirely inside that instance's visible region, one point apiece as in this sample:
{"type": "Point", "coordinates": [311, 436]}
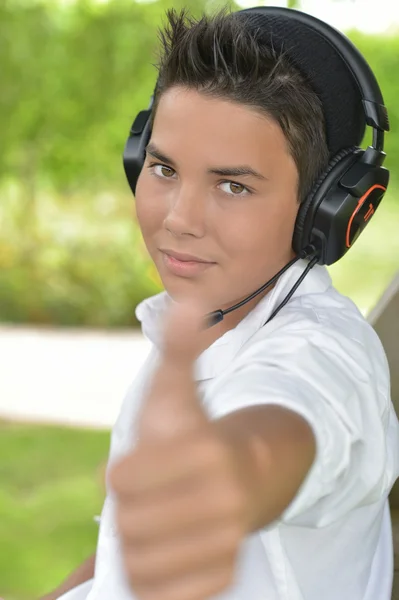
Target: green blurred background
{"type": "Point", "coordinates": [72, 77]}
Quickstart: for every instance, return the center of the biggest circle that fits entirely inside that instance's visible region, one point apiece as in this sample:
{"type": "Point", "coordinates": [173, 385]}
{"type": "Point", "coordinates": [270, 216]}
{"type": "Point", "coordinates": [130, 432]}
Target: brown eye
{"type": "Point", "coordinates": [233, 188]}
{"type": "Point", "coordinates": [161, 171]}
{"type": "Point", "coordinates": [236, 188]}
{"type": "Point", "coordinates": [166, 171]}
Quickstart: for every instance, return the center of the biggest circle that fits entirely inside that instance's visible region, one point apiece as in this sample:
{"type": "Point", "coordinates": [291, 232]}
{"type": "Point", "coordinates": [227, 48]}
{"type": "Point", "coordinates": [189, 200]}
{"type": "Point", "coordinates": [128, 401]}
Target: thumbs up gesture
{"type": "Point", "coordinates": [182, 500]}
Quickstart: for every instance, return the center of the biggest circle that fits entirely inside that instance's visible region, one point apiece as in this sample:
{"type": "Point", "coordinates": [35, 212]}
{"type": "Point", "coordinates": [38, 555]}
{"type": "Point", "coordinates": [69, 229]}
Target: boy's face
{"type": "Point", "coordinates": [242, 225]}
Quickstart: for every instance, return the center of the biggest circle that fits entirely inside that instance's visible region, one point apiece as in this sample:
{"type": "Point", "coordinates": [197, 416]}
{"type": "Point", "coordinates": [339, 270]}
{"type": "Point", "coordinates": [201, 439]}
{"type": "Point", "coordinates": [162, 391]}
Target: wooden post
{"type": "Point", "coordinates": [385, 320]}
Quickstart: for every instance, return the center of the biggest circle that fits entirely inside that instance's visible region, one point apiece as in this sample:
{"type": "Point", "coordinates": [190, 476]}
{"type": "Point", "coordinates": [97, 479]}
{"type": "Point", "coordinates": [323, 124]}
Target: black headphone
{"type": "Point", "coordinates": [347, 194]}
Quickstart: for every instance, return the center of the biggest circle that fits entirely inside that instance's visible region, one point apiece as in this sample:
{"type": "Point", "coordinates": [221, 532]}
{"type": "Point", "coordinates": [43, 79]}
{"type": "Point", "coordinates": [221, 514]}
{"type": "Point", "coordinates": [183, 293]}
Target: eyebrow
{"type": "Point", "coordinates": [238, 171]}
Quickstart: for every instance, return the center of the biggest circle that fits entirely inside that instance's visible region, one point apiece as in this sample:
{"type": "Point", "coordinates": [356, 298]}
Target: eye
{"type": "Point", "coordinates": [164, 172]}
{"type": "Point", "coordinates": [235, 189]}
{"type": "Point", "coordinates": [160, 170]}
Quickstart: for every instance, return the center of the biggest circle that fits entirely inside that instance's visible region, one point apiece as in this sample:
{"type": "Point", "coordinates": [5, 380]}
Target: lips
{"type": "Point", "coordinates": [185, 257]}
{"type": "Point", "coordinates": [185, 266]}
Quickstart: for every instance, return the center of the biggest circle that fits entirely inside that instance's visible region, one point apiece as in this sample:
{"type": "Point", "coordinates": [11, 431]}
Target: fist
{"type": "Point", "coordinates": [181, 515]}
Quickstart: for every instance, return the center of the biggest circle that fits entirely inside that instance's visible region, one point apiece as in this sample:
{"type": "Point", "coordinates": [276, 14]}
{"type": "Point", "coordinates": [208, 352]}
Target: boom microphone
{"type": "Point", "coordinates": [217, 316]}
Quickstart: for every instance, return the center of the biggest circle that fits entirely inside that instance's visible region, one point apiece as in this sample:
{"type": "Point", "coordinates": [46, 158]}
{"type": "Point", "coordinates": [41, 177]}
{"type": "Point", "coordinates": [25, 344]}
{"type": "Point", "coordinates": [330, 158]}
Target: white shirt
{"type": "Point", "coordinates": [320, 358]}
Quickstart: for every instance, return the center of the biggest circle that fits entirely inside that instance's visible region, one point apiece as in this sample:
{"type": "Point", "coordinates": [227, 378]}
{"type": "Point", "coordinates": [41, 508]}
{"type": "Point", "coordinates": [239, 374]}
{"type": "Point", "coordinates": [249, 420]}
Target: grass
{"type": "Point", "coordinates": [51, 487]}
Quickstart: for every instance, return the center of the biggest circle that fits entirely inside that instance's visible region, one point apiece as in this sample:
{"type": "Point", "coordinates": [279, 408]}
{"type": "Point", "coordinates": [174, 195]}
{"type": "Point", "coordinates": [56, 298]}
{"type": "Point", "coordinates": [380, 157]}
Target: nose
{"type": "Point", "coordinates": [186, 214]}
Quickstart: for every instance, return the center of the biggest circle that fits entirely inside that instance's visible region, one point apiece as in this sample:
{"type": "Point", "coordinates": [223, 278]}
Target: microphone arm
{"type": "Point", "coordinates": [217, 316]}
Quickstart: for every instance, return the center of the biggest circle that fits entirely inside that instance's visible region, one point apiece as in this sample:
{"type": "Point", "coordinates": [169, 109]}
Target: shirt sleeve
{"type": "Point", "coordinates": [328, 379]}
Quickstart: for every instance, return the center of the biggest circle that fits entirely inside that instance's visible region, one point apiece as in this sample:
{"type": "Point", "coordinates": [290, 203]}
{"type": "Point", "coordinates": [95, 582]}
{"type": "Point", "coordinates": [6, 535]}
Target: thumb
{"type": "Point", "coordinates": [183, 333]}
{"type": "Point", "coordinates": [172, 406]}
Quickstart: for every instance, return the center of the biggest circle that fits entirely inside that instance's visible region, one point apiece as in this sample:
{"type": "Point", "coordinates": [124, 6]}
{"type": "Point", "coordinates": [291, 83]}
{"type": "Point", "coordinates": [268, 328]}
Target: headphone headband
{"type": "Point", "coordinates": [373, 103]}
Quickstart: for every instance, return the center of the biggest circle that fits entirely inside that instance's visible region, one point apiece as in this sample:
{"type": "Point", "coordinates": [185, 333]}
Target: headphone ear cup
{"type": "Point", "coordinates": [302, 229]}
{"type": "Point", "coordinates": [134, 152]}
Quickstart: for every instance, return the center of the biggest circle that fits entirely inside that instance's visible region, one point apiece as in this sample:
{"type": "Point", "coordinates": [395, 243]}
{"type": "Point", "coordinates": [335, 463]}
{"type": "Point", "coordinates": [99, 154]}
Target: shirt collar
{"type": "Point", "coordinates": [215, 358]}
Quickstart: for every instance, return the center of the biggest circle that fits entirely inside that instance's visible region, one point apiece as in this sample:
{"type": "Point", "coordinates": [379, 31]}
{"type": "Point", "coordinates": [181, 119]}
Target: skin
{"type": "Point", "coordinates": [193, 488]}
{"type": "Point", "coordinates": [183, 207]}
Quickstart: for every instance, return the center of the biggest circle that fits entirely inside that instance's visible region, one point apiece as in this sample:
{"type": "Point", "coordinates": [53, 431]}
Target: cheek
{"type": "Point", "coordinates": [260, 238]}
{"type": "Point", "coordinates": [281, 229]}
{"type": "Point", "coordinates": [150, 209]}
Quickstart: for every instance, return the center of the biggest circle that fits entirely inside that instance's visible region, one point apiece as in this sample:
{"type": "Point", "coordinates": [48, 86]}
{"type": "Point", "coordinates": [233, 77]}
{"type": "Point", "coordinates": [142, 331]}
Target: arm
{"type": "Point", "coordinates": [274, 449]}
{"type": "Point", "coordinates": [82, 574]}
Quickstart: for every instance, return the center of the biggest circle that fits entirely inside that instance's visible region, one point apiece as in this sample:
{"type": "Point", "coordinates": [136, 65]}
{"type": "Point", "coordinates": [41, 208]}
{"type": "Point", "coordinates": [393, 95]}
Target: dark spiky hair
{"type": "Point", "coordinates": [222, 57]}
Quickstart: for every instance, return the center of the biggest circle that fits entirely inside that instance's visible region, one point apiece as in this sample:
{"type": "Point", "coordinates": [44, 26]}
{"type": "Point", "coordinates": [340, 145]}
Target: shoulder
{"type": "Point", "coordinates": [319, 338]}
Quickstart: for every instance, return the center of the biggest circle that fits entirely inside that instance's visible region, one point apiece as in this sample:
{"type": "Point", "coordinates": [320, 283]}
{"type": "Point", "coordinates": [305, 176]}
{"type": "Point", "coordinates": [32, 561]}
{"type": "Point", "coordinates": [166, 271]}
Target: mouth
{"type": "Point", "coordinates": [184, 265]}
{"type": "Point", "coordinates": [185, 257]}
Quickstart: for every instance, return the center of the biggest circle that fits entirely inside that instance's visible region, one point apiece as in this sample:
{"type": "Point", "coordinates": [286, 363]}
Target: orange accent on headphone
{"type": "Point", "coordinates": [369, 212]}
{"type": "Point", "coordinates": [360, 203]}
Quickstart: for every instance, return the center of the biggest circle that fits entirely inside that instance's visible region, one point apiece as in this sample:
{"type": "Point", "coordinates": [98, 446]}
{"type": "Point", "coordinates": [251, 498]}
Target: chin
{"type": "Point", "coordinates": [183, 290]}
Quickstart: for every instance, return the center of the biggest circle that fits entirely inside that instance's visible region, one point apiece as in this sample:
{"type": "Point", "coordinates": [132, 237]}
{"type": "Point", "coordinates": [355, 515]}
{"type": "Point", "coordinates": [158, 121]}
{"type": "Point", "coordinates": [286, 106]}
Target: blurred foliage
{"type": "Point", "coordinates": [52, 487]}
{"type": "Point", "coordinates": [73, 77]}
{"type": "Point", "coordinates": [75, 262]}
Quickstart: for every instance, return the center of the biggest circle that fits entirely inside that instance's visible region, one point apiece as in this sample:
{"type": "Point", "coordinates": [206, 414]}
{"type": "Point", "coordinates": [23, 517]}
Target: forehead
{"type": "Point", "coordinates": [190, 123]}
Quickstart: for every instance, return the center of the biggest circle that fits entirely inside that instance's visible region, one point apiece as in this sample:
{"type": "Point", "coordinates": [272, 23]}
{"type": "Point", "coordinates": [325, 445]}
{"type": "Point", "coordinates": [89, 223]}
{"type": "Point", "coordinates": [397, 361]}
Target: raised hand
{"type": "Point", "coordinates": [182, 503]}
